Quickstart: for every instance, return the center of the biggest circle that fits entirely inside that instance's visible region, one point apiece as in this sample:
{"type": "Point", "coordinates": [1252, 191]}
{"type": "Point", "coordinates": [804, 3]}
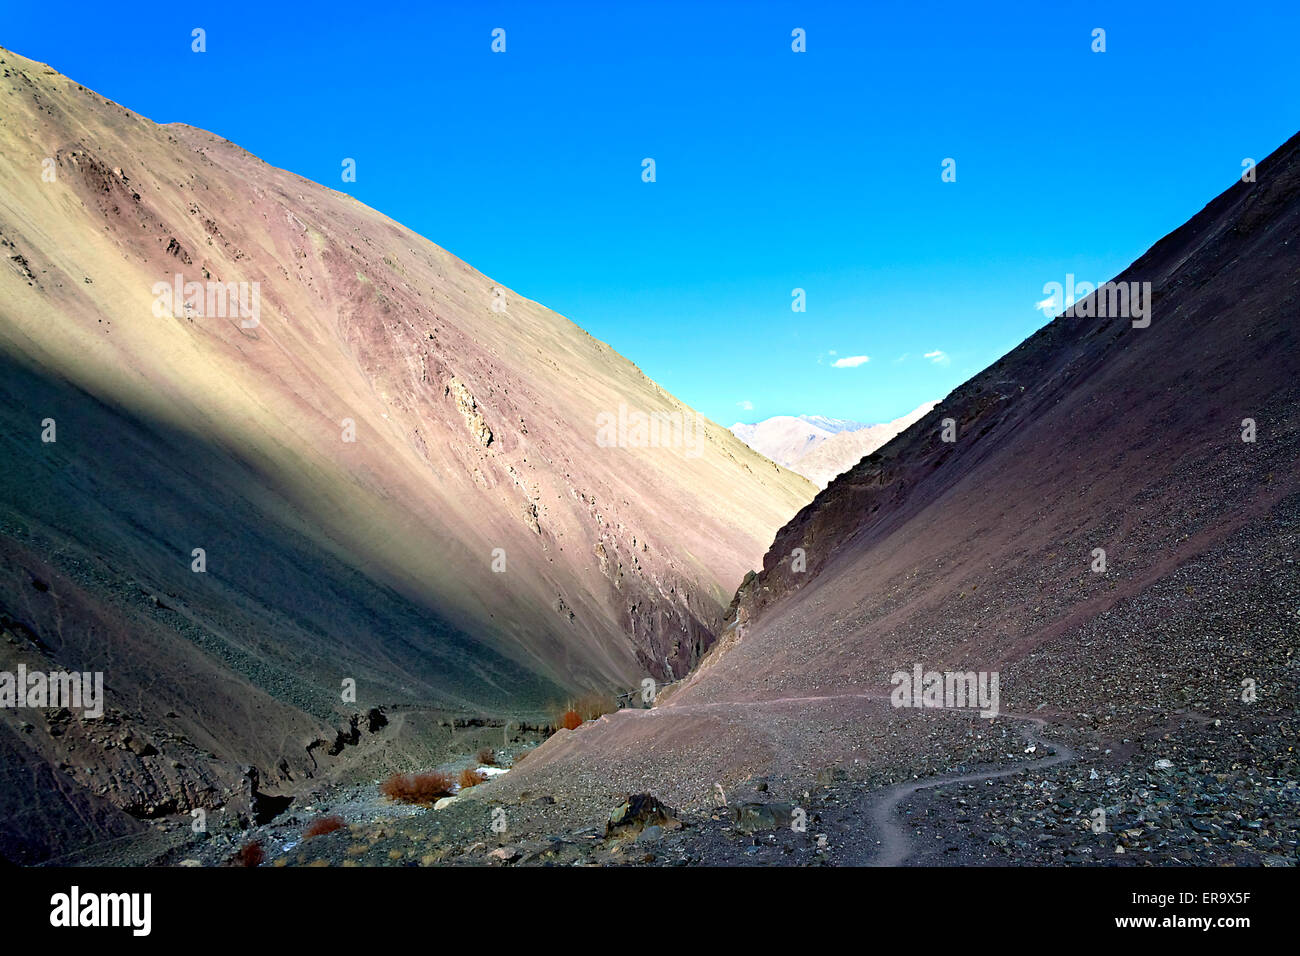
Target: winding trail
{"type": "Point", "coordinates": [895, 841]}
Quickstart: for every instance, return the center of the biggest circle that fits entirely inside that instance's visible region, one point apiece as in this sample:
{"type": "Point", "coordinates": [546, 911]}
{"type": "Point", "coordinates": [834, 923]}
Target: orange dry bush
{"type": "Point", "coordinates": [322, 826]}
{"type": "Point", "coordinates": [469, 777]}
{"type": "Point", "coordinates": [519, 758]}
{"type": "Point", "coordinates": [487, 756]}
{"type": "Point", "coordinates": [250, 854]}
{"type": "Point", "coordinates": [587, 707]}
{"type": "Point", "coordinates": [416, 787]}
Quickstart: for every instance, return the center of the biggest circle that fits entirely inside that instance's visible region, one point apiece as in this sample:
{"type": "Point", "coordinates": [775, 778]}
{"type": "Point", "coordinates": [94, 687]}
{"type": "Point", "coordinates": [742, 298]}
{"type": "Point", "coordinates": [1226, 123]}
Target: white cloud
{"type": "Point", "coordinates": [938, 357]}
{"type": "Point", "coordinates": [1047, 306]}
{"type": "Point", "coordinates": [851, 361]}
{"type": "Point", "coordinates": [747, 405]}
{"type": "Point", "coordinates": [902, 357]}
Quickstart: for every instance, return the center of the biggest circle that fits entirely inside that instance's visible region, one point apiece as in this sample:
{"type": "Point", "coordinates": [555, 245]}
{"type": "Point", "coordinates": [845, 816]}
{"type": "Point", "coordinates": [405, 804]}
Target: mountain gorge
{"type": "Point", "coordinates": [322, 503]}
{"type": "Point", "coordinates": [263, 442]}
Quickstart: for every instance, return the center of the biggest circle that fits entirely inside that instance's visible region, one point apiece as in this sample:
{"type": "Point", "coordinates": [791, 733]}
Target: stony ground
{"type": "Point", "coordinates": [1191, 792]}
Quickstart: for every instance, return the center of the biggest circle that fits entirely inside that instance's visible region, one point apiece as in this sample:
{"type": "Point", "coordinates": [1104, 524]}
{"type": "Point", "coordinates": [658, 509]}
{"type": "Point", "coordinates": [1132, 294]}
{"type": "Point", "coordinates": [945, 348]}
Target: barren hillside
{"type": "Point", "coordinates": [345, 455]}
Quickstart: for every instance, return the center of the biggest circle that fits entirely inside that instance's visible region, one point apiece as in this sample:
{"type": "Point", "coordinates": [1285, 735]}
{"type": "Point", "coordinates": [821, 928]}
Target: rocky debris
{"type": "Point", "coordinates": [24, 267]}
{"type": "Point", "coordinates": [1232, 797]}
{"type": "Point", "coordinates": [174, 248]}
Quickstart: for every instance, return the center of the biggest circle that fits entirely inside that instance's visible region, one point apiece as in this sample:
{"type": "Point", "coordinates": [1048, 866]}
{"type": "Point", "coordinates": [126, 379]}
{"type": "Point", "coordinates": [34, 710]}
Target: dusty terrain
{"type": "Point", "coordinates": [393, 470]}
{"type": "Point", "coordinates": [1148, 708]}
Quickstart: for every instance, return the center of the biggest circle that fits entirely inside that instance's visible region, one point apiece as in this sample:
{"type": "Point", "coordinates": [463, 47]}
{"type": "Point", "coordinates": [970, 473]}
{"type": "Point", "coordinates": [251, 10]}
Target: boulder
{"type": "Point", "coordinates": [636, 813]}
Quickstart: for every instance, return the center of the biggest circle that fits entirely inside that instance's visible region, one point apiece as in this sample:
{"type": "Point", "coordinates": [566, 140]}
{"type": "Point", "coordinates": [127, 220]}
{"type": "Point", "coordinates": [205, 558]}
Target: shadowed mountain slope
{"type": "Point", "coordinates": [391, 464]}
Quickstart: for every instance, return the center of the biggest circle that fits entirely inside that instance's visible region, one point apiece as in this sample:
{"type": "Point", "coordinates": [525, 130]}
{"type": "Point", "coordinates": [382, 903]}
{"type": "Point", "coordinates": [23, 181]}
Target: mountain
{"type": "Point", "coordinates": [820, 448]}
{"type": "Point", "coordinates": [784, 439]}
{"type": "Point", "coordinates": [841, 451]}
{"type": "Point", "coordinates": [262, 443]}
{"type": "Point", "coordinates": [832, 425]}
{"type": "Point", "coordinates": [1112, 530]}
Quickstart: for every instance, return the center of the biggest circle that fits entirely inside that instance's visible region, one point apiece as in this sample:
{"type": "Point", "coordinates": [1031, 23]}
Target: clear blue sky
{"type": "Point", "coordinates": [775, 170]}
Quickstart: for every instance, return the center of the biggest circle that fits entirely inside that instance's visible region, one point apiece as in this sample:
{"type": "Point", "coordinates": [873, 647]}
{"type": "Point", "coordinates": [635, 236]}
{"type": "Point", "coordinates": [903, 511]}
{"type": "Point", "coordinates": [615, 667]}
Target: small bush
{"type": "Point", "coordinates": [322, 826]}
{"type": "Point", "coordinates": [469, 777]}
{"type": "Point", "coordinates": [417, 787]}
{"type": "Point", "coordinates": [519, 758]}
{"type": "Point", "coordinates": [576, 711]}
{"type": "Point", "coordinates": [593, 705]}
{"type": "Point", "coordinates": [250, 854]}
{"type": "Point", "coordinates": [487, 756]}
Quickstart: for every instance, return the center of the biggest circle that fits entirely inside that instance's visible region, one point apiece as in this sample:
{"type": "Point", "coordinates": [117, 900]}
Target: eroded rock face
{"type": "Point", "coordinates": [251, 804]}
{"type": "Point", "coordinates": [468, 408]}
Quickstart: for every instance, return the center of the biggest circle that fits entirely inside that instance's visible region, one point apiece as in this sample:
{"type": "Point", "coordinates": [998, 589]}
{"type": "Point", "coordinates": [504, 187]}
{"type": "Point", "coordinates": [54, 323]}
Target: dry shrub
{"type": "Point", "coordinates": [323, 825]}
{"type": "Point", "coordinates": [250, 854]}
{"type": "Point", "coordinates": [519, 758]}
{"type": "Point", "coordinates": [578, 710]}
{"type": "Point", "coordinates": [593, 705]}
{"type": "Point", "coordinates": [417, 787]}
{"type": "Point", "coordinates": [487, 756]}
{"type": "Point", "coordinates": [469, 777]}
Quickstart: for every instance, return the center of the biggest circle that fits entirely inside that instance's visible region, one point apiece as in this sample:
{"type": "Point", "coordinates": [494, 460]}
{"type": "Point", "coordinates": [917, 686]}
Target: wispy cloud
{"type": "Point", "coordinates": [851, 361]}
{"type": "Point", "coordinates": [938, 357]}
{"type": "Point", "coordinates": [1047, 306]}
{"type": "Point", "coordinates": [902, 357]}
{"type": "Point", "coordinates": [747, 405]}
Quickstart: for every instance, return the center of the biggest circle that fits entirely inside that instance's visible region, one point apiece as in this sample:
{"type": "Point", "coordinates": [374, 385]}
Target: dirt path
{"type": "Point", "coordinates": [895, 840]}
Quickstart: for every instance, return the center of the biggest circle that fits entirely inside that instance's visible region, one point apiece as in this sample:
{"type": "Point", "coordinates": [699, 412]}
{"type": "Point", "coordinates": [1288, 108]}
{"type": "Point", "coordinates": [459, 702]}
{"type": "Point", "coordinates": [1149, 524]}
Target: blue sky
{"type": "Point", "coordinates": [775, 170]}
